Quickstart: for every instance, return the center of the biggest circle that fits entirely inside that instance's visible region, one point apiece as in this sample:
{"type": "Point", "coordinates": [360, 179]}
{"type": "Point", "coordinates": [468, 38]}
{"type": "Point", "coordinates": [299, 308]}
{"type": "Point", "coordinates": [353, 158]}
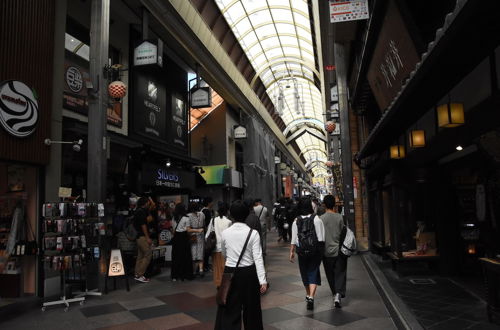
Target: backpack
{"type": "Point", "coordinates": [348, 245]}
{"type": "Point", "coordinates": [129, 229]}
{"type": "Point", "coordinates": [307, 238]}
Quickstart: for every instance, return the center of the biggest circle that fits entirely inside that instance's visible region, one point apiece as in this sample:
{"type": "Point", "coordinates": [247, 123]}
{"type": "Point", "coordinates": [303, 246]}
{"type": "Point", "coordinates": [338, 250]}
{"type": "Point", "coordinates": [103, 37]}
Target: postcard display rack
{"type": "Point", "coordinates": [71, 234]}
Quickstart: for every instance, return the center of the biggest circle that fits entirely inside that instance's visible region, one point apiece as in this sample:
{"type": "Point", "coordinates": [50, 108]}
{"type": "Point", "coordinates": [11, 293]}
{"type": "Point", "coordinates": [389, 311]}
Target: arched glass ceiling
{"type": "Point", "coordinates": [276, 37]}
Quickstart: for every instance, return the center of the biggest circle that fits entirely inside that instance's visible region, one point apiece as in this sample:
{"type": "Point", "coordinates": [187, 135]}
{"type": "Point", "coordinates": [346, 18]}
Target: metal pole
{"type": "Point", "coordinates": [345, 136]}
{"type": "Point", "coordinates": [98, 101]}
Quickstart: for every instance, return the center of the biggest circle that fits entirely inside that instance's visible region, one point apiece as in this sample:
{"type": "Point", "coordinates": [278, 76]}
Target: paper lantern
{"type": "Point", "coordinates": [417, 139]}
{"type": "Point", "coordinates": [397, 151]}
{"type": "Point", "coordinates": [329, 163]}
{"type": "Point", "coordinates": [450, 115]}
{"type": "Point", "coordinates": [330, 126]}
{"type": "Point", "coordinates": [117, 89]}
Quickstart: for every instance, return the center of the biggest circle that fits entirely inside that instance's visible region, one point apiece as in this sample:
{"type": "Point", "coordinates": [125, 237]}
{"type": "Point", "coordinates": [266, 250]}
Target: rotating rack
{"type": "Point", "coordinates": [71, 234]}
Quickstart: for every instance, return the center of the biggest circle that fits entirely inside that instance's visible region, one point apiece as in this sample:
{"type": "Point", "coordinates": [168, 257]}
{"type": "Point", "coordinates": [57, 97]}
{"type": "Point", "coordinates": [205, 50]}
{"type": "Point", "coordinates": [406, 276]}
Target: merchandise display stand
{"type": "Point", "coordinates": [70, 243]}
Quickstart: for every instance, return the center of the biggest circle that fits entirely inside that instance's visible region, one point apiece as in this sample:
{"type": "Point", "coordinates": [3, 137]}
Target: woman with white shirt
{"type": "Point", "coordinates": [309, 257]}
{"type": "Point", "coordinates": [218, 224]}
{"type": "Point", "coordinates": [182, 267]}
{"type": "Point", "coordinates": [249, 278]}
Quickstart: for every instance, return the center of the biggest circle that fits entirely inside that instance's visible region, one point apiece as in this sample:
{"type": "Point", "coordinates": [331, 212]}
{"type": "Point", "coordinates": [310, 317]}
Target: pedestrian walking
{"type": "Point", "coordinates": [261, 212]}
{"type": "Point", "coordinates": [242, 249]}
{"type": "Point", "coordinates": [182, 264]}
{"type": "Point", "coordinates": [280, 218]}
{"type": "Point", "coordinates": [218, 224]}
{"type": "Point", "coordinates": [208, 213]}
{"type": "Point", "coordinates": [144, 242]}
{"type": "Point", "coordinates": [197, 239]}
{"type": "Point", "coordinates": [334, 262]}
{"type": "Point", "coordinates": [308, 236]}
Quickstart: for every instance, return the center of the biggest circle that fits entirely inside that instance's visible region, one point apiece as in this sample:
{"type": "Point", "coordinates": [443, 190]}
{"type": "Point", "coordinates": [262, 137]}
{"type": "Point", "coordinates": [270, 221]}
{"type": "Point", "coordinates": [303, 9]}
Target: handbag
{"type": "Point", "coordinates": [225, 285]}
{"type": "Point", "coordinates": [211, 240]}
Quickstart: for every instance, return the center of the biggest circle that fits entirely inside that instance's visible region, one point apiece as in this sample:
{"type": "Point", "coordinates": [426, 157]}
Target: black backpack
{"type": "Point", "coordinates": [307, 238]}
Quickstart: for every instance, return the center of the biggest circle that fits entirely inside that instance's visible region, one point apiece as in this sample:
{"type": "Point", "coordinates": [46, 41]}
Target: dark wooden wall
{"type": "Point", "coordinates": [26, 54]}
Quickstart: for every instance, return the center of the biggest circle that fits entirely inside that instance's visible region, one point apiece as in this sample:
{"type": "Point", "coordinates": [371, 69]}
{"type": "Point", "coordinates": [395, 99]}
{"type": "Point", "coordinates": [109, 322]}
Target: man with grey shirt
{"type": "Point", "coordinates": [261, 211]}
{"type": "Point", "coordinates": [334, 261]}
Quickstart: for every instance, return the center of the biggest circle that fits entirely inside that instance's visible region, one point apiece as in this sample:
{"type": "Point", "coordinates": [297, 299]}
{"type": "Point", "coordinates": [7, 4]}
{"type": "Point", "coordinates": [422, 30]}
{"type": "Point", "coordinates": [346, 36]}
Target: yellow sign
{"type": "Point", "coordinates": [64, 192]}
{"type": "Point", "coordinates": [116, 264]}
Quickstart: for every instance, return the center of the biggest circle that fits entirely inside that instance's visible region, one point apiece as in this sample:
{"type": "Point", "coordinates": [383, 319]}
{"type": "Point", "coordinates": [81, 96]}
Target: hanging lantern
{"type": "Point", "coordinates": [450, 115]}
{"type": "Point", "coordinates": [397, 151]}
{"type": "Point", "coordinates": [471, 249]}
{"type": "Point", "coordinates": [330, 126]}
{"type": "Point", "coordinates": [329, 163]}
{"type": "Point", "coordinates": [117, 89]}
{"type": "Point", "coordinates": [417, 139]}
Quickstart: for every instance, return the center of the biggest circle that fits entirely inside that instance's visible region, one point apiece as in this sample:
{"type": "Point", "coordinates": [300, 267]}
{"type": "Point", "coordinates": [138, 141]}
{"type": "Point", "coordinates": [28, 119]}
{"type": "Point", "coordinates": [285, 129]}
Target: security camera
{"type": "Point", "coordinates": [76, 147]}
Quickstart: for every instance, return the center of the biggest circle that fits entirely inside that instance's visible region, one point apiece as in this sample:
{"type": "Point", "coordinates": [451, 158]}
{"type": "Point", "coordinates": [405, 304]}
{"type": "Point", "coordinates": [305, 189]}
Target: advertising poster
{"type": "Point", "coordinates": [179, 129]}
{"type": "Point", "coordinates": [149, 104]}
{"type": "Point", "coordinates": [75, 94]}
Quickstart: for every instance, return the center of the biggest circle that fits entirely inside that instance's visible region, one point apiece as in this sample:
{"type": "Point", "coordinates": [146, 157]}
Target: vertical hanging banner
{"type": "Point", "coordinates": [179, 127]}
{"type": "Point", "coordinates": [348, 10]}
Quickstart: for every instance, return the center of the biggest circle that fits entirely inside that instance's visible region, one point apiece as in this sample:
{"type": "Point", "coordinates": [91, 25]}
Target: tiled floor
{"type": "Point", "coordinates": [440, 306]}
{"type": "Point", "coordinates": [162, 304]}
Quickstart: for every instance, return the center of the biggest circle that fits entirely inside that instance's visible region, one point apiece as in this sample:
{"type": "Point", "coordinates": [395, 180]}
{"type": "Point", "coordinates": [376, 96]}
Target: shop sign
{"type": "Point", "coordinates": [348, 10]}
{"type": "Point", "coordinates": [18, 108]}
{"type": "Point", "coordinates": [149, 104]}
{"type": "Point", "coordinates": [179, 121]}
{"type": "Point", "coordinates": [148, 53]}
{"type": "Point", "coordinates": [277, 159]}
{"type": "Point", "coordinates": [161, 176]}
{"type": "Point", "coordinates": [240, 132]}
{"type": "Point", "coordinates": [165, 178]}
{"type": "Point", "coordinates": [334, 94]}
{"type": "Point", "coordinates": [201, 97]}
{"type": "Point", "coordinates": [395, 56]}
{"type": "Point", "coordinates": [116, 264]}
{"type": "Point", "coordinates": [75, 94]}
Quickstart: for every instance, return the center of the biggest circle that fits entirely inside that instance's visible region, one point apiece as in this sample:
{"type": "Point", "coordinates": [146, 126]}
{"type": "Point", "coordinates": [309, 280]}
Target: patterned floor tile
{"type": "Point", "coordinates": [171, 321]}
{"type": "Point", "coordinates": [385, 323]}
{"type": "Point", "coordinates": [102, 309]}
{"type": "Point", "coordinates": [107, 320]}
{"type": "Point", "coordinates": [186, 301]}
{"type": "Point", "coordinates": [272, 315]}
{"type": "Point", "coordinates": [197, 326]}
{"type": "Point", "coordinates": [301, 323]}
{"type": "Point", "coordinates": [336, 317]}
{"type": "Point", "coordinates": [204, 315]}
{"type": "Point", "coordinates": [141, 303]}
{"type": "Point", "coordinates": [276, 299]}
{"type": "Point", "coordinates": [153, 312]}
{"type": "Point", "coordinates": [129, 326]}
{"type": "Point", "coordinates": [300, 308]}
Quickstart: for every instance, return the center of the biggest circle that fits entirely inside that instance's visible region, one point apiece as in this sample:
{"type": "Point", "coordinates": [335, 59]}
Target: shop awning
{"type": "Point", "coordinates": [470, 33]}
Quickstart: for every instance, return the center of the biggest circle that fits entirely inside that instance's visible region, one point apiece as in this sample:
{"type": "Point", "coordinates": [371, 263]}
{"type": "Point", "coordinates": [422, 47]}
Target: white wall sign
{"type": "Point", "coordinates": [18, 108]}
{"type": "Point", "coordinates": [201, 97]}
{"type": "Point", "coordinates": [146, 53]}
{"type": "Point", "coordinates": [116, 264]}
{"type": "Point", "coordinates": [240, 132]}
{"type": "Point", "coordinates": [348, 10]}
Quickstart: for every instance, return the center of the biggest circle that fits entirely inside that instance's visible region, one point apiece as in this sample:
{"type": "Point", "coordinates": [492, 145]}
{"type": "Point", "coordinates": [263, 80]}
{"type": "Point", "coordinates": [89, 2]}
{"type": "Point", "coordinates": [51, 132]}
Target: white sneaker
{"type": "Point", "coordinates": [336, 300]}
{"type": "Point", "coordinates": [142, 279]}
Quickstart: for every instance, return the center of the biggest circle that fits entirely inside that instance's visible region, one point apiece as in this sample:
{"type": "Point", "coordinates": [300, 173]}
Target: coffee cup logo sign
{"type": "Point", "coordinates": [18, 108]}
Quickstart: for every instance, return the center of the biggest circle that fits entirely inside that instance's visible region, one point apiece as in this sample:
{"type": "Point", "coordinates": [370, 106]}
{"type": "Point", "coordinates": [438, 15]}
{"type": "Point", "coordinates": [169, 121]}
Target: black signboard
{"type": "Point", "coordinates": [179, 123]}
{"type": "Point", "coordinates": [150, 110]}
{"type": "Point", "coordinates": [167, 177]}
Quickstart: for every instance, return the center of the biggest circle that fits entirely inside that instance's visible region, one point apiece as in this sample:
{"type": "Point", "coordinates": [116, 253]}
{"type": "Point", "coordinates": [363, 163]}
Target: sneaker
{"type": "Point", "coordinates": [336, 300]}
{"type": "Point", "coordinates": [310, 303]}
{"type": "Point", "coordinates": [142, 279]}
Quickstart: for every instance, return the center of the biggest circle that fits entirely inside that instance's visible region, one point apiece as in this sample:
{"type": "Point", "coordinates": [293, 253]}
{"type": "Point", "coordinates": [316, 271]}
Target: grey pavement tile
{"type": "Point", "coordinates": [484, 326]}
{"type": "Point", "coordinates": [106, 320]}
{"type": "Point", "coordinates": [366, 309]}
{"type": "Point", "coordinates": [171, 321]}
{"type": "Point", "coordinates": [154, 312]}
{"type": "Point", "coordinates": [301, 323]}
{"type": "Point", "coordinates": [371, 323]}
{"type": "Point", "coordinates": [300, 308]}
{"type": "Point", "coordinates": [141, 303]}
{"type": "Point", "coordinates": [204, 315]}
{"type": "Point", "coordinates": [272, 315]}
{"type": "Point", "coordinates": [102, 309]}
{"type": "Point", "coordinates": [336, 317]}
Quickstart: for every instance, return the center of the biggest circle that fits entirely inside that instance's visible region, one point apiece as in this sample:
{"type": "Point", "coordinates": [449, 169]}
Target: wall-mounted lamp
{"type": "Point", "coordinates": [397, 151]}
{"type": "Point", "coordinates": [417, 139]}
{"type": "Point", "coordinates": [199, 169]}
{"type": "Point", "coordinates": [450, 115]}
{"type": "Point", "coordinates": [168, 163]}
{"type": "Point", "coordinates": [459, 148]}
{"type": "Point", "coordinates": [77, 145]}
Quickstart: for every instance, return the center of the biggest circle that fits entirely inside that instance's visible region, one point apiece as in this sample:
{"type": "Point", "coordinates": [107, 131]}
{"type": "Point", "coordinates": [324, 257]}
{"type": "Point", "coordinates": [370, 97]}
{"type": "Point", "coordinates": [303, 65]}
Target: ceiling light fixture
{"type": "Point", "coordinates": [459, 148]}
